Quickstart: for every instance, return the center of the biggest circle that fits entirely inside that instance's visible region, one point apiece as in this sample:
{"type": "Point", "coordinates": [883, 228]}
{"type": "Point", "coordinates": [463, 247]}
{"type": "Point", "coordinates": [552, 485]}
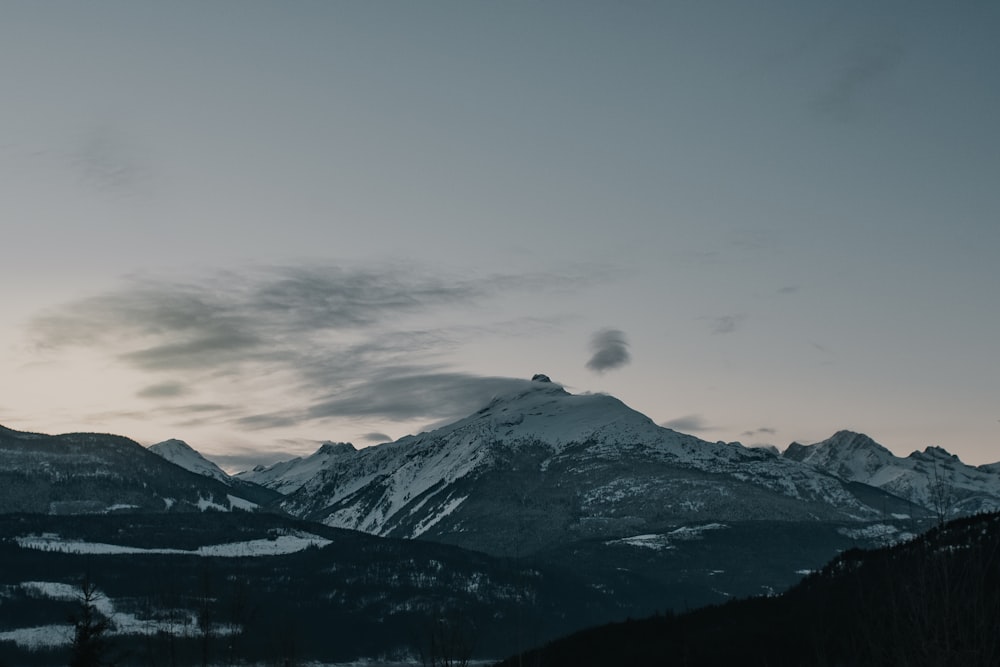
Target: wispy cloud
{"type": "Point", "coordinates": [725, 324]}
{"type": "Point", "coordinates": [763, 430]}
{"type": "Point", "coordinates": [689, 424]}
{"type": "Point", "coordinates": [609, 349]}
{"type": "Point", "coordinates": [163, 390]}
{"type": "Point", "coordinates": [335, 339]}
{"type": "Point", "coordinates": [864, 68]}
{"type": "Point", "coordinates": [109, 163]}
{"type": "Point", "coordinates": [404, 396]}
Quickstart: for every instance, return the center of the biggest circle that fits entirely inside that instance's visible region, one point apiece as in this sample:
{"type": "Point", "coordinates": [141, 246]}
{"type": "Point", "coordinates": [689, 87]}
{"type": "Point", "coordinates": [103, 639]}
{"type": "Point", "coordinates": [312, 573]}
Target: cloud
{"type": "Point", "coordinates": [336, 341]}
{"type": "Point", "coordinates": [106, 161]}
{"type": "Point", "coordinates": [162, 390]}
{"type": "Point", "coordinates": [404, 396]}
{"type": "Point", "coordinates": [763, 430]}
{"type": "Point", "coordinates": [610, 350]}
{"type": "Point", "coordinates": [376, 437]}
{"type": "Point", "coordinates": [865, 66]}
{"type": "Point", "coordinates": [725, 324]}
{"type": "Point", "coordinates": [754, 239]}
{"type": "Point", "coordinates": [688, 424]}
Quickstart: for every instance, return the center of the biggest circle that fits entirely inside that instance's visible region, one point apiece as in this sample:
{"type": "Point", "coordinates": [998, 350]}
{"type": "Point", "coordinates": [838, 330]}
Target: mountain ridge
{"type": "Point", "coordinates": [549, 467]}
{"type": "Point", "coordinates": [933, 478]}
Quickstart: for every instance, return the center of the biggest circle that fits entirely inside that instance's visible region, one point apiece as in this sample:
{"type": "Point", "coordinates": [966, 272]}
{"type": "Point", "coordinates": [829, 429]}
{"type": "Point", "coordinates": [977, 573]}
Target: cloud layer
{"type": "Point", "coordinates": [337, 342]}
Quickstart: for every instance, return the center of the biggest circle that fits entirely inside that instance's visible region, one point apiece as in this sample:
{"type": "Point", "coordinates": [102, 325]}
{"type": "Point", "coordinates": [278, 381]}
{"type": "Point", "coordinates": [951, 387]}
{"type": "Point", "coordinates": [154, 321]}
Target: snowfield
{"type": "Point", "coordinates": [283, 544]}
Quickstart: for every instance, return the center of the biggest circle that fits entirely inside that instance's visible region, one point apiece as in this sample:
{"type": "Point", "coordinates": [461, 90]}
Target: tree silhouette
{"type": "Point", "coordinates": [90, 628]}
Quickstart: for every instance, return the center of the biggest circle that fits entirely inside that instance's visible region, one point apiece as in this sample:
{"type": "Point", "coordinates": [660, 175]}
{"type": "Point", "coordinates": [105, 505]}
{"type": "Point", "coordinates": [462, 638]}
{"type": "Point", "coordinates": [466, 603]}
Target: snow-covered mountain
{"type": "Point", "coordinates": [180, 453]}
{"type": "Point", "coordinates": [81, 473]}
{"type": "Point", "coordinates": [540, 466]}
{"type": "Point", "coordinates": [288, 476]}
{"type": "Point", "coordinates": [932, 479]}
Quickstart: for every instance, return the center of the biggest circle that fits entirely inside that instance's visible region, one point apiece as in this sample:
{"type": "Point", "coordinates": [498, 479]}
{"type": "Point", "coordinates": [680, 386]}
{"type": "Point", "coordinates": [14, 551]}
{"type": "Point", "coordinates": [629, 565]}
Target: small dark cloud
{"type": "Point", "coordinates": [269, 420]}
{"type": "Point", "coordinates": [163, 390]}
{"type": "Point", "coordinates": [725, 324]}
{"type": "Point", "coordinates": [376, 437]}
{"type": "Point", "coordinates": [763, 430]}
{"type": "Point", "coordinates": [688, 424]}
{"type": "Point", "coordinates": [788, 289]}
{"type": "Point", "coordinates": [610, 350]}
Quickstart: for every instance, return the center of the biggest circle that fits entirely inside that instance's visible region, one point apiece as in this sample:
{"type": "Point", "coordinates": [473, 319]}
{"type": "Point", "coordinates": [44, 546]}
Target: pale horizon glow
{"type": "Point", "coordinates": [256, 227]}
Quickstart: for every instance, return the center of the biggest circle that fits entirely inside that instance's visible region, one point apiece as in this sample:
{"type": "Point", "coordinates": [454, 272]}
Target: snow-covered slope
{"type": "Point", "coordinates": [540, 466]}
{"type": "Point", "coordinates": [932, 479]}
{"type": "Point", "coordinates": [288, 476]}
{"type": "Point", "coordinates": [180, 453]}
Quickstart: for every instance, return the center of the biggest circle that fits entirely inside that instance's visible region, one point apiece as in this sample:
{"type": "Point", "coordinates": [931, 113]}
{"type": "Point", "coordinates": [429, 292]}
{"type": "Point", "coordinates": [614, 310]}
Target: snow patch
{"type": "Point", "coordinates": [120, 506]}
{"type": "Point", "coordinates": [209, 503]}
{"type": "Point", "coordinates": [283, 544]}
{"type": "Point", "coordinates": [655, 542]}
{"type": "Point", "coordinates": [241, 504]}
{"type": "Point", "coordinates": [880, 533]}
{"type": "Point", "coordinates": [663, 541]}
{"type": "Point", "coordinates": [430, 522]}
{"type": "Point", "coordinates": [39, 637]}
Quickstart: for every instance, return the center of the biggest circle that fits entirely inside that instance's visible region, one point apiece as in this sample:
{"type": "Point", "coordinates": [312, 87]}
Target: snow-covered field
{"type": "Point", "coordinates": [182, 624]}
{"type": "Point", "coordinates": [283, 544]}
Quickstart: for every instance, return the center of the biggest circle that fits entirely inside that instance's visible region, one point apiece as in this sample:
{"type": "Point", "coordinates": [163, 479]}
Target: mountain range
{"type": "Point", "coordinates": [614, 515]}
{"type": "Point", "coordinates": [539, 467]}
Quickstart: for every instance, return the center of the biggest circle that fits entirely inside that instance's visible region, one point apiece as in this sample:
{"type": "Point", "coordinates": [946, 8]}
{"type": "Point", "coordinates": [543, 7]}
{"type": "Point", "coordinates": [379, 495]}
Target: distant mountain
{"type": "Point", "coordinates": [180, 453]}
{"type": "Point", "coordinates": [540, 467]}
{"type": "Point", "coordinates": [929, 601]}
{"type": "Point", "coordinates": [288, 476]}
{"type": "Point", "coordinates": [79, 473]}
{"type": "Point", "coordinates": [932, 479]}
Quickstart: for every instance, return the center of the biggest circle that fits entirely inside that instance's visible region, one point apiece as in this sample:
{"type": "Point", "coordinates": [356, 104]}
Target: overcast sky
{"type": "Point", "coordinates": [256, 226]}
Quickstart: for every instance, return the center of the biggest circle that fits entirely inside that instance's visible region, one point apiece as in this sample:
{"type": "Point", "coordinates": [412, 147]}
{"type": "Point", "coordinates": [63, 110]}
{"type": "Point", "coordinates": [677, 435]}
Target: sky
{"type": "Point", "coordinates": [257, 226]}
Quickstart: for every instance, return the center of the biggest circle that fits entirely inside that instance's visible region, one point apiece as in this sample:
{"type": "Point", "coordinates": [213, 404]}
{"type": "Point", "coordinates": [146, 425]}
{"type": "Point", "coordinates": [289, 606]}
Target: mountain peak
{"type": "Point", "coordinates": [934, 453]}
{"type": "Point", "coordinates": [540, 377]}
{"type": "Point", "coordinates": [335, 448]}
{"type": "Point", "coordinates": [182, 454]}
{"type": "Point", "coordinates": [847, 454]}
{"type": "Point", "coordinates": [845, 438]}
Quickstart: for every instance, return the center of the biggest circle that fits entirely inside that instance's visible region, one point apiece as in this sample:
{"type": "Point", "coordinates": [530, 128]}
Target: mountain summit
{"type": "Point", "coordinates": [180, 453]}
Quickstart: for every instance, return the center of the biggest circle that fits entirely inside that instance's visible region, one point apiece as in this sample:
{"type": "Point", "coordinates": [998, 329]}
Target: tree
{"type": "Point", "coordinates": [90, 629]}
{"type": "Point", "coordinates": [941, 495]}
{"type": "Point", "coordinates": [449, 641]}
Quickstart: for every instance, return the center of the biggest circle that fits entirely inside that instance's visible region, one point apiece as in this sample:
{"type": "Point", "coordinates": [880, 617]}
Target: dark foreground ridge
{"type": "Point", "coordinates": [932, 601]}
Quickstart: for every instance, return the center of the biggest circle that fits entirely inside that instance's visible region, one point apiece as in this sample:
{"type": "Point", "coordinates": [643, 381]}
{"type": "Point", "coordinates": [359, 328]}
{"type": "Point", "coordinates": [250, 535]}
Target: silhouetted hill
{"type": "Point", "coordinates": [932, 601]}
